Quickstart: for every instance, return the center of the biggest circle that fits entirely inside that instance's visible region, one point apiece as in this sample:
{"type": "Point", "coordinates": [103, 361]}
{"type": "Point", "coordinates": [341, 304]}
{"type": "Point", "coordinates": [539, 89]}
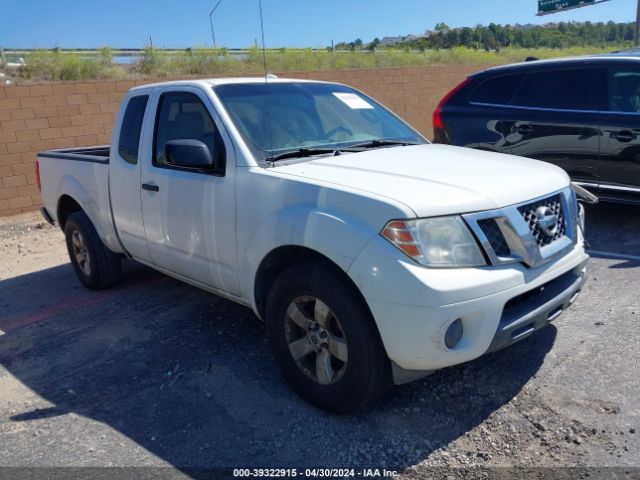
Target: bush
{"type": "Point", "coordinates": [57, 65]}
{"type": "Point", "coordinates": [202, 61]}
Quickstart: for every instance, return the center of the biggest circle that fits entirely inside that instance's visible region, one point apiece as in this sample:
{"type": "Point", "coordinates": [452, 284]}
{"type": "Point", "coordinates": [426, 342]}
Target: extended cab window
{"type": "Point", "coordinates": [183, 116]}
{"type": "Point", "coordinates": [623, 90]}
{"type": "Point", "coordinates": [129, 141]}
{"type": "Point", "coordinates": [497, 90]}
{"type": "Point", "coordinates": [570, 89]}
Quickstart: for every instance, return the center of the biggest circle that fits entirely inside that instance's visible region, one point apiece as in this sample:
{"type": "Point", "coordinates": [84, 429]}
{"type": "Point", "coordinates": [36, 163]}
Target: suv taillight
{"type": "Point", "coordinates": [439, 132]}
{"type": "Point", "coordinates": [38, 176]}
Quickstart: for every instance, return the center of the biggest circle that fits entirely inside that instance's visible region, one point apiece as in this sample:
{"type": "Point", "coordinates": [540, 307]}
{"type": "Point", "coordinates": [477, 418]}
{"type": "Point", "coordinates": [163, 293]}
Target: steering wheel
{"type": "Point", "coordinates": [338, 129]}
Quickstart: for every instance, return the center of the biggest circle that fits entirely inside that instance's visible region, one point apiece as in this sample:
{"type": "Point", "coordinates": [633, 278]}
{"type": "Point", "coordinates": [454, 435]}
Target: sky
{"type": "Point", "coordinates": [288, 23]}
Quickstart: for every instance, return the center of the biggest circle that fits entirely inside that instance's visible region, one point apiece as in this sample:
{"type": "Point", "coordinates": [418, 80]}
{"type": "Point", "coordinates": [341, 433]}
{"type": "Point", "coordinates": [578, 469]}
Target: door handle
{"type": "Point", "coordinates": [623, 135]}
{"type": "Point", "coordinates": [151, 188]}
{"type": "Point", "coordinates": [523, 129]}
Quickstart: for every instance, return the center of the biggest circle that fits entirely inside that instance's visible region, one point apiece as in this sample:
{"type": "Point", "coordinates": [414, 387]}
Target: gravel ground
{"type": "Point", "coordinates": [157, 373]}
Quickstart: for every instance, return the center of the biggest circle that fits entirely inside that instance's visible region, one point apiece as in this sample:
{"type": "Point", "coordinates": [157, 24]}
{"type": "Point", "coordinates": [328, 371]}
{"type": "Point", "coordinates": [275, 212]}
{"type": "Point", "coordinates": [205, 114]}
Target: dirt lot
{"type": "Point", "coordinates": [158, 373]}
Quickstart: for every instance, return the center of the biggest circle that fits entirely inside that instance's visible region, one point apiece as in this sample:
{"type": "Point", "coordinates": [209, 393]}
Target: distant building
{"type": "Point", "coordinates": [388, 41]}
{"type": "Point", "coordinates": [413, 38]}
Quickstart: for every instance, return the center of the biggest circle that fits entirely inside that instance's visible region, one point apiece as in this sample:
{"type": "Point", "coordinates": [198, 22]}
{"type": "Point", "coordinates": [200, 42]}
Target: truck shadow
{"type": "Point", "coordinates": [189, 377]}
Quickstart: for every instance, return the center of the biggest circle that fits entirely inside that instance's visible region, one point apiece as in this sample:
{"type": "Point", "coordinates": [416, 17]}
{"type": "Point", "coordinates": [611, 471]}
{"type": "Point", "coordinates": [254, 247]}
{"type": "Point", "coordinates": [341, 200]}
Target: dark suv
{"type": "Point", "coordinates": [582, 114]}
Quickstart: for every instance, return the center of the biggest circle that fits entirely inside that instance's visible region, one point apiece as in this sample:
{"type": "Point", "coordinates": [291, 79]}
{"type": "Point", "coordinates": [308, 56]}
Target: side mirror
{"type": "Point", "coordinates": [188, 154]}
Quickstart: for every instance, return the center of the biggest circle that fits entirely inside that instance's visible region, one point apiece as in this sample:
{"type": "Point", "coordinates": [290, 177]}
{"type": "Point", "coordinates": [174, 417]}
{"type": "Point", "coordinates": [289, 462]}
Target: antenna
{"type": "Point", "coordinates": [264, 52]}
{"type": "Point", "coordinates": [213, 34]}
{"type": "Point", "coordinates": [266, 78]}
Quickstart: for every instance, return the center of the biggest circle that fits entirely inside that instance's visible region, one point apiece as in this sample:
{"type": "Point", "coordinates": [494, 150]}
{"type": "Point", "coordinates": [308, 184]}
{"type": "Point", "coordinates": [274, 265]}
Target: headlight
{"type": "Point", "coordinates": [436, 242]}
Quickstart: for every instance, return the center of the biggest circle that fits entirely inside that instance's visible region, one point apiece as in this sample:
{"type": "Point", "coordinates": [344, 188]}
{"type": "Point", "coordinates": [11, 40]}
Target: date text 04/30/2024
{"type": "Point", "coordinates": [314, 472]}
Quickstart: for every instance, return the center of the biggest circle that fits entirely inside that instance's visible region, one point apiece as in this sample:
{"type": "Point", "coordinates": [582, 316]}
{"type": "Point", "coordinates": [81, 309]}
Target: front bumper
{"type": "Point", "coordinates": [413, 306]}
{"type": "Point", "coordinates": [538, 307]}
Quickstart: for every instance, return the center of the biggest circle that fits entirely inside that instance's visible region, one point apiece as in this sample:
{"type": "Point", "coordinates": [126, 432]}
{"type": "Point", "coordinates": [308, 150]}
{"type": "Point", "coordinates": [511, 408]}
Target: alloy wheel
{"type": "Point", "coordinates": [80, 252]}
{"type": "Point", "coordinates": [316, 340]}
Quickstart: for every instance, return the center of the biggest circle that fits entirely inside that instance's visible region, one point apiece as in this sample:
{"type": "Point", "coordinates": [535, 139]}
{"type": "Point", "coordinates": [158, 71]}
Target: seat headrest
{"type": "Point", "coordinates": [188, 125]}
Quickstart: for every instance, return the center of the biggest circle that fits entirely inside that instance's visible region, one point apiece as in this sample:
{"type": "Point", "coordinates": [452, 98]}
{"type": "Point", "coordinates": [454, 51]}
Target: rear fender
{"type": "Point", "coordinates": [100, 217]}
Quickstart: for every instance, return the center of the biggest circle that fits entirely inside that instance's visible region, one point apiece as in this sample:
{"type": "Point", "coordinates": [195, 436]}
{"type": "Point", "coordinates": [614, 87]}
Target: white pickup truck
{"type": "Point", "coordinates": [372, 255]}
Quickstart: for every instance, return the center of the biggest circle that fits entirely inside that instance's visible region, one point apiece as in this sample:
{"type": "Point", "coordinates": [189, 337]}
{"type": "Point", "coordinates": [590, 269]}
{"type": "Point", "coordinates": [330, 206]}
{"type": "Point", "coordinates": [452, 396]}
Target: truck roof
{"type": "Point", "coordinates": [212, 82]}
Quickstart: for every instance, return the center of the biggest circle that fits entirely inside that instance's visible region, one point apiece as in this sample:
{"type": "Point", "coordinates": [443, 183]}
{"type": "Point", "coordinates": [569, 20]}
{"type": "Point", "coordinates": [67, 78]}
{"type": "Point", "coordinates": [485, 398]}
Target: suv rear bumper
{"type": "Point", "coordinates": [414, 306]}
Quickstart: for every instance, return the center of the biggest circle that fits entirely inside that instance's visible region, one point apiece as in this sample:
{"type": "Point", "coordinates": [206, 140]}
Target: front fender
{"type": "Point", "coordinates": [335, 235]}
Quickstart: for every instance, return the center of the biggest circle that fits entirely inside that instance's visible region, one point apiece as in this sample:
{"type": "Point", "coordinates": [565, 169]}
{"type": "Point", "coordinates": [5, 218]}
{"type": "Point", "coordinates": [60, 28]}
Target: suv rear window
{"type": "Point", "coordinates": [497, 90]}
{"type": "Point", "coordinates": [559, 89]}
{"type": "Point", "coordinates": [129, 141]}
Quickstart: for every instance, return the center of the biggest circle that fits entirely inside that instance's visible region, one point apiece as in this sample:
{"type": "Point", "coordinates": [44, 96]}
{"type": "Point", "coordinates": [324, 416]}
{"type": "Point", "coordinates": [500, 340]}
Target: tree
{"type": "Point", "coordinates": [494, 36]}
{"type": "Point", "coordinates": [466, 35]}
{"type": "Point", "coordinates": [489, 40]}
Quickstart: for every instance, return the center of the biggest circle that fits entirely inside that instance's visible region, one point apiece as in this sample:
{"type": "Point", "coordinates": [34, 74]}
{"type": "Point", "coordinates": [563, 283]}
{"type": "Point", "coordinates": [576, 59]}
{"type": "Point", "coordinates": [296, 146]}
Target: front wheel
{"type": "Point", "coordinates": [95, 265]}
{"type": "Point", "coordinates": [324, 339]}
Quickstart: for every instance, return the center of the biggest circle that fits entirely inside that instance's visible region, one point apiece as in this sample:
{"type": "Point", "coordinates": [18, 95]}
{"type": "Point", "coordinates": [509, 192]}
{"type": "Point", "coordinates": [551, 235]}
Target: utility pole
{"type": "Point", "coordinates": [213, 34]}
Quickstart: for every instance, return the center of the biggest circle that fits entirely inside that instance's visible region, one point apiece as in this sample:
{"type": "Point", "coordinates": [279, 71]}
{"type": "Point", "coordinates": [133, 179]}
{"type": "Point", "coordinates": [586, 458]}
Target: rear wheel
{"type": "Point", "coordinates": [95, 265]}
{"type": "Point", "coordinates": [324, 339]}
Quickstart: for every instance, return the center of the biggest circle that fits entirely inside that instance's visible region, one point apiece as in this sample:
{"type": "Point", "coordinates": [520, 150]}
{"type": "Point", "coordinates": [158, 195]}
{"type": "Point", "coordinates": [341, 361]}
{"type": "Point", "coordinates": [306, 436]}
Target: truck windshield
{"type": "Point", "coordinates": [277, 120]}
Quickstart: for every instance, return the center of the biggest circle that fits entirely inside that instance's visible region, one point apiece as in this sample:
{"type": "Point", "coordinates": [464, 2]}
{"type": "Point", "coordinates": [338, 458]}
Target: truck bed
{"type": "Point", "coordinates": [97, 154]}
{"type": "Point", "coordinates": [82, 174]}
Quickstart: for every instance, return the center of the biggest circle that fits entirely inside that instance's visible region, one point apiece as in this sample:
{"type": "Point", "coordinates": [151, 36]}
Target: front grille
{"type": "Point", "coordinates": [553, 207]}
{"type": "Point", "coordinates": [533, 232]}
{"type": "Point", "coordinates": [491, 230]}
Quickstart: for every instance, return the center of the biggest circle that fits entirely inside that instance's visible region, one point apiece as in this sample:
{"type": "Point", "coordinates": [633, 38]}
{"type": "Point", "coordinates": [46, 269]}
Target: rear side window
{"type": "Point", "coordinates": [623, 90]}
{"type": "Point", "coordinates": [497, 90]}
{"type": "Point", "coordinates": [560, 89]}
{"type": "Point", "coordinates": [129, 141]}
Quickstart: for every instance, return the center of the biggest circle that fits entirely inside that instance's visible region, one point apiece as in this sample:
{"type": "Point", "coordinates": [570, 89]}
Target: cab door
{"type": "Point", "coordinates": [620, 159]}
{"type": "Point", "coordinates": [554, 118]}
{"type": "Point", "coordinates": [189, 214]}
{"type": "Point", "coordinates": [124, 176]}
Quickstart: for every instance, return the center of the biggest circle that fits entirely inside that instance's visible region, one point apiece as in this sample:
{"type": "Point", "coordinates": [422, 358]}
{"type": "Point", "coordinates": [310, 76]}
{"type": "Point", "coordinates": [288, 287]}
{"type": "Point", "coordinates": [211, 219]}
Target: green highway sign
{"type": "Point", "coordinates": [552, 6]}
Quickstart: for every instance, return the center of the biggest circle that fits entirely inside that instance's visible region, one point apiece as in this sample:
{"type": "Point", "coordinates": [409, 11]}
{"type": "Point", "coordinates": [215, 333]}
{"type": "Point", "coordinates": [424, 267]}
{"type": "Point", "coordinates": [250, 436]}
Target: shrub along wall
{"type": "Point", "coordinates": [35, 117]}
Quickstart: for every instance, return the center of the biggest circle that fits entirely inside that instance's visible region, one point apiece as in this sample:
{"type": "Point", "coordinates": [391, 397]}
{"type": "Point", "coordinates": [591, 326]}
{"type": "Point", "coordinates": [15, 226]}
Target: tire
{"type": "Point", "coordinates": [318, 297]}
{"type": "Point", "coordinates": [96, 266]}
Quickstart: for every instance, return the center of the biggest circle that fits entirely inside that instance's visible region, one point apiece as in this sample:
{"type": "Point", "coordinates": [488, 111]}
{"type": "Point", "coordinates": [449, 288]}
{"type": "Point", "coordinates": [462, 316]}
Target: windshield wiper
{"type": "Point", "coordinates": [299, 153]}
{"type": "Point", "coordinates": [356, 147]}
{"type": "Point", "coordinates": [378, 143]}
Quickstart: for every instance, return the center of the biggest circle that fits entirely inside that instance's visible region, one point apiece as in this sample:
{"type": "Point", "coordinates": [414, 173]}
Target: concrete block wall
{"type": "Point", "coordinates": [35, 117]}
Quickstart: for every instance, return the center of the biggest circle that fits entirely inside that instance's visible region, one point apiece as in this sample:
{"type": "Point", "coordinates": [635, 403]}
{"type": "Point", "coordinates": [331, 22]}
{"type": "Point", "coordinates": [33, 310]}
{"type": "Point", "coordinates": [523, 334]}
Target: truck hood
{"type": "Point", "coordinates": [436, 179]}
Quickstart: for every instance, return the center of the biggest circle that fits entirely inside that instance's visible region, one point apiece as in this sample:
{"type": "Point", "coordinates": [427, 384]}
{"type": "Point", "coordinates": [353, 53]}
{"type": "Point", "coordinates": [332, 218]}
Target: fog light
{"type": "Point", "coordinates": [453, 334]}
